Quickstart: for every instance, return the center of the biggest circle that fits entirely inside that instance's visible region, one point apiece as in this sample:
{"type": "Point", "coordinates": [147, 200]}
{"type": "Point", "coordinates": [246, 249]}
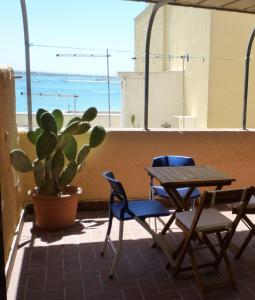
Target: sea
{"type": "Point", "coordinates": [68, 92]}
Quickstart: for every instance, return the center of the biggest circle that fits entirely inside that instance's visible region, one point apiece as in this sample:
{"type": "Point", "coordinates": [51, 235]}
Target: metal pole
{"type": "Point", "coordinates": [246, 78]}
{"type": "Point", "coordinates": [147, 60]}
{"type": "Point", "coordinates": [108, 87]}
{"type": "Point", "coordinates": [74, 106]}
{"type": "Point", "coordinates": [183, 91]}
{"type": "Point", "coordinates": [27, 55]}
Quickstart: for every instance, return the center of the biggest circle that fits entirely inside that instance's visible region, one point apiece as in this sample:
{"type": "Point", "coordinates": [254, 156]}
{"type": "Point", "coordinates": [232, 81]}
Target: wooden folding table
{"type": "Point", "coordinates": [172, 178]}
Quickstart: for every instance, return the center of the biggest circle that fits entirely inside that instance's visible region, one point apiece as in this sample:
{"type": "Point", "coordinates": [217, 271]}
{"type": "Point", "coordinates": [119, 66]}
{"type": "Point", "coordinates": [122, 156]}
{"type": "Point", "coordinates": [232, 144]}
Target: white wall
{"type": "Point", "coordinates": [189, 33]}
{"type": "Point", "coordinates": [178, 31]}
{"type": "Point", "coordinates": [230, 36]}
{"type": "Point", "coordinates": [165, 98]}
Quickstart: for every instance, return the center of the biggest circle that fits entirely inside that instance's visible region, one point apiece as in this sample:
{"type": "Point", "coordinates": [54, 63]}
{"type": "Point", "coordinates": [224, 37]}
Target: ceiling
{"type": "Point", "coordinates": [244, 6]}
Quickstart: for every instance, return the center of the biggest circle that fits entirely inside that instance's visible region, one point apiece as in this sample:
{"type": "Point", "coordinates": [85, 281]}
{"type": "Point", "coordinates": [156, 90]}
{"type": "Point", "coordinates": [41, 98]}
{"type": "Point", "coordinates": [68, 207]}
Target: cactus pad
{"type": "Point", "coordinates": [73, 120]}
{"type": "Point", "coordinates": [70, 129]}
{"type": "Point", "coordinates": [40, 111]}
{"type": "Point", "coordinates": [48, 123]}
{"type": "Point", "coordinates": [57, 163]}
{"type": "Point", "coordinates": [59, 118]}
{"type": "Point", "coordinates": [83, 154]}
{"type": "Point", "coordinates": [20, 161]}
{"type": "Point", "coordinates": [82, 128]}
{"type": "Point", "coordinates": [68, 174]}
{"type": "Point", "coordinates": [38, 171]}
{"type": "Point", "coordinates": [45, 144]}
{"type": "Point", "coordinates": [97, 136]}
{"type": "Point", "coordinates": [70, 149]}
{"type": "Point", "coordinates": [89, 114]}
{"type": "Point", "coordinates": [33, 135]}
{"type": "Point", "coordinates": [62, 140]}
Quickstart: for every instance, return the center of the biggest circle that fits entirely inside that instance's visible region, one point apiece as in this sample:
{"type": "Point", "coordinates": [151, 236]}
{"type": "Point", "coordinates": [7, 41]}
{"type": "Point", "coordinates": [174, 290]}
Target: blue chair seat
{"type": "Point", "coordinates": [141, 209]}
{"type": "Point", "coordinates": [161, 192]}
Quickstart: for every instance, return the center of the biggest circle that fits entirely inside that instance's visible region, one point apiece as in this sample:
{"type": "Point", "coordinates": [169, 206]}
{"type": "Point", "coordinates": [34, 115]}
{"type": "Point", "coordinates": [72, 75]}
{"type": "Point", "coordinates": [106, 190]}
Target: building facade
{"type": "Point", "coordinates": [208, 48]}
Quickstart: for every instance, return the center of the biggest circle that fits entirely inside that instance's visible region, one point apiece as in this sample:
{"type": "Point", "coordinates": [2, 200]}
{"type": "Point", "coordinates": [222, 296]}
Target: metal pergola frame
{"type": "Point", "coordinates": [27, 56]}
{"type": "Point", "coordinates": [246, 78]}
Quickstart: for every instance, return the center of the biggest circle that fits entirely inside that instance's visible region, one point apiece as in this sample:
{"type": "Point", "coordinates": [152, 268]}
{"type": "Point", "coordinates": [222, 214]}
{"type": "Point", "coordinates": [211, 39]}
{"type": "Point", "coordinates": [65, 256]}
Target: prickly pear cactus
{"type": "Point", "coordinates": [58, 157]}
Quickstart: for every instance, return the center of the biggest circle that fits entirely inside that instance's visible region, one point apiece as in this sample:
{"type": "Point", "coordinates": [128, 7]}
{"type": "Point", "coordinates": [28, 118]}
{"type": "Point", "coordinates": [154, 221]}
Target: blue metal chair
{"type": "Point", "coordinates": [124, 210]}
{"type": "Point", "coordinates": [173, 161]}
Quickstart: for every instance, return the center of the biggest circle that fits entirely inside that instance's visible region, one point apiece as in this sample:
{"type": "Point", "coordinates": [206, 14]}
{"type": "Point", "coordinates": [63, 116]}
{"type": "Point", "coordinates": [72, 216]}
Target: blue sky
{"type": "Point", "coordinates": [88, 24]}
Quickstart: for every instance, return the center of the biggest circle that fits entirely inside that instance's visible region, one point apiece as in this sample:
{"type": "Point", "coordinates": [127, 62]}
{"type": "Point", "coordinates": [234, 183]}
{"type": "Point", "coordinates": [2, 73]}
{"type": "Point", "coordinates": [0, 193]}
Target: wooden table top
{"type": "Point", "coordinates": [189, 176]}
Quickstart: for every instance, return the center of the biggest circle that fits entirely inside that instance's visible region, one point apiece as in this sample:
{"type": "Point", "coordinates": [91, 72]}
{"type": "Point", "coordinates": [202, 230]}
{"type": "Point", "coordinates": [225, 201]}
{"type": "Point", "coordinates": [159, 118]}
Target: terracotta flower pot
{"type": "Point", "coordinates": [56, 212]}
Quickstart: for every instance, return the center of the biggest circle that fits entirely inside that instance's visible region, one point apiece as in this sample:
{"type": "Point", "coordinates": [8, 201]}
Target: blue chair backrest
{"type": "Point", "coordinates": [117, 189]}
{"type": "Point", "coordinates": [172, 161]}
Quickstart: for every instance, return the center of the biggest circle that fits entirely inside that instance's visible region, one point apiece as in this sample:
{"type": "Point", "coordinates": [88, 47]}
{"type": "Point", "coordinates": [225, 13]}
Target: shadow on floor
{"type": "Point", "coordinates": [67, 265]}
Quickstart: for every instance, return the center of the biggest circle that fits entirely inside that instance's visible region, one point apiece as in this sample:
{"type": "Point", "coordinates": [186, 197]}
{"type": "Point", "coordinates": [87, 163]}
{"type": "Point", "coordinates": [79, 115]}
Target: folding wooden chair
{"type": "Point", "coordinates": [204, 223]}
{"type": "Point", "coordinates": [247, 221]}
{"type": "Point", "coordinates": [124, 210]}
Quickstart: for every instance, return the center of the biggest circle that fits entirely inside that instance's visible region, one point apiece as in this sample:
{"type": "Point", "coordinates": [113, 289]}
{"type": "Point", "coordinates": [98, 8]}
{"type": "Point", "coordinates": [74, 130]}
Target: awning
{"type": "Point", "coordinates": [243, 6]}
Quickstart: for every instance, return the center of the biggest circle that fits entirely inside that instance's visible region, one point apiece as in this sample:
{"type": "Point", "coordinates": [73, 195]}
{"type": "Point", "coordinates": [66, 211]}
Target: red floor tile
{"type": "Point", "coordinates": [68, 265]}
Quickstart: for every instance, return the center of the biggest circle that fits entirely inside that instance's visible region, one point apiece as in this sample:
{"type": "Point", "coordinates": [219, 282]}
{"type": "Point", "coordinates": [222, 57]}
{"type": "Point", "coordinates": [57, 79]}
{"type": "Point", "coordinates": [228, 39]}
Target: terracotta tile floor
{"type": "Point", "coordinates": [67, 265]}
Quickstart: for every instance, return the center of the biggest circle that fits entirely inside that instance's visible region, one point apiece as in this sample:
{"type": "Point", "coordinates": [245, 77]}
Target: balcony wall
{"type": "Point", "coordinates": [127, 153]}
{"type": "Point", "coordinates": [10, 201]}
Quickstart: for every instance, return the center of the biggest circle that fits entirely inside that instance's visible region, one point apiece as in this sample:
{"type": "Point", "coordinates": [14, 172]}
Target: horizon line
{"type": "Point", "coordinates": [60, 73]}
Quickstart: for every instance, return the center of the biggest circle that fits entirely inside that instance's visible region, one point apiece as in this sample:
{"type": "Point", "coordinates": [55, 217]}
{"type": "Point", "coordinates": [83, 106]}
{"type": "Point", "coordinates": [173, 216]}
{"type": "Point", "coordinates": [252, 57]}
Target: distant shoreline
{"type": "Point", "coordinates": [68, 92]}
{"type": "Point", "coordinates": [38, 73]}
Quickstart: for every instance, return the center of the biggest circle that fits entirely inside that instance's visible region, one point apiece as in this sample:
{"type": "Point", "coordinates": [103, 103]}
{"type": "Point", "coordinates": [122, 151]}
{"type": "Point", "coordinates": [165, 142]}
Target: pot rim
{"type": "Point", "coordinates": [68, 191]}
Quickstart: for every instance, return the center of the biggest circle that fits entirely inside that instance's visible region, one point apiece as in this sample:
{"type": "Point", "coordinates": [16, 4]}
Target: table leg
{"type": "Point", "coordinates": [219, 187]}
{"type": "Point", "coordinates": [175, 197]}
{"type": "Point", "coordinates": [168, 224]}
{"type": "Point", "coordinates": [178, 203]}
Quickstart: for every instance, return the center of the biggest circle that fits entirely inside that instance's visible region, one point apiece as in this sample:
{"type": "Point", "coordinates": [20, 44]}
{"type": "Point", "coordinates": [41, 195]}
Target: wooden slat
{"type": "Point", "coordinates": [189, 2]}
{"type": "Point", "coordinates": [251, 9]}
{"type": "Point", "coordinates": [216, 4]}
{"type": "Point", "coordinates": [240, 5]}
{"type": "Point", "coordinates": [243, 6]}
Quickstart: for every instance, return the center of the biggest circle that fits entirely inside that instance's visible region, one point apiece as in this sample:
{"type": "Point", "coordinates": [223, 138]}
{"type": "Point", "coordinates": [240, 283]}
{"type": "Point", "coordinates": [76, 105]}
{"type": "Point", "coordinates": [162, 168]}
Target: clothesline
{"type": "Point", "coordinates": [188, 57]}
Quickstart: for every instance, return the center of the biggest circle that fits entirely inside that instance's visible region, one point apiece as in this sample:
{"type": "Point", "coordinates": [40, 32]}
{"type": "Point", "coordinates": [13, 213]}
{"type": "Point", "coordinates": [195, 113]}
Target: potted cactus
{"type": "Point", "coordinates": [58, 161]}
